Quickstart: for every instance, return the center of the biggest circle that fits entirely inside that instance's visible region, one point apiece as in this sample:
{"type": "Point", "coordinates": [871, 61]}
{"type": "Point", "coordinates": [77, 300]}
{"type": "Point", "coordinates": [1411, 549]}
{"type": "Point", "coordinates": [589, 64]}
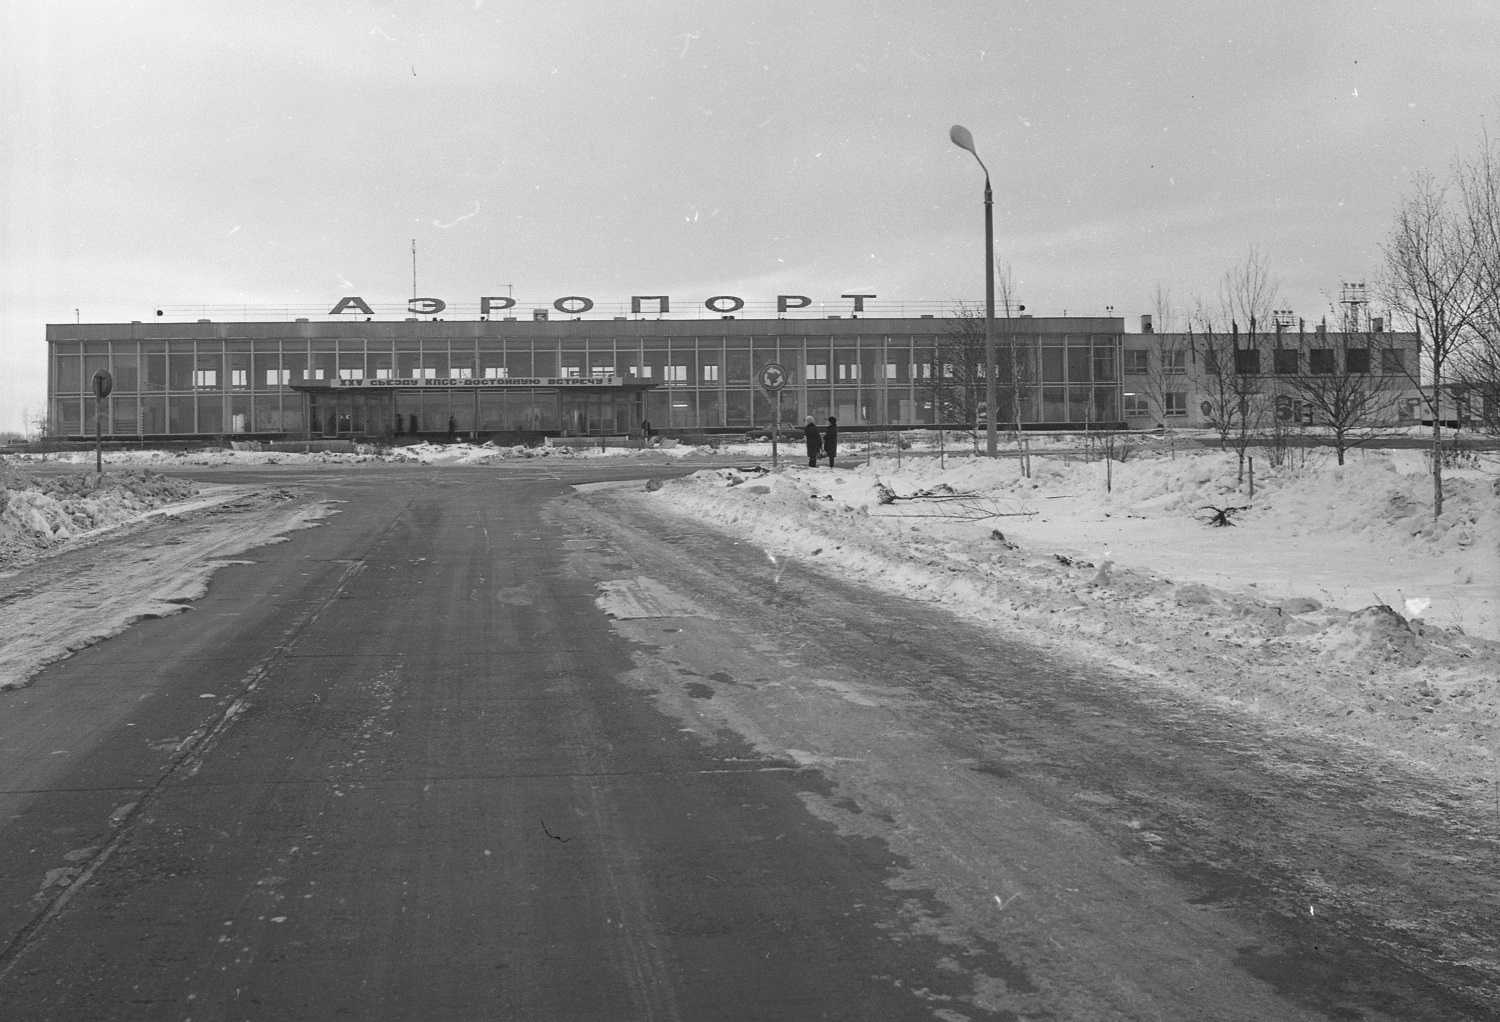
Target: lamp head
{"type": "Point", "coordinates": [963, 139]}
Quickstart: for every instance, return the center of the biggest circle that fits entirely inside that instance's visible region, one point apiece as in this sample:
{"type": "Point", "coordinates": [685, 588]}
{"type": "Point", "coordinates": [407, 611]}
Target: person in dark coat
{"type": "Point", "coordinates": [814, 443]}
{"type": "Point", "coordinates": [399, 424]}
{"type": "Point", "coordinates": [831, 439]}
{"type": "Point", "coordinates": [452, 429]}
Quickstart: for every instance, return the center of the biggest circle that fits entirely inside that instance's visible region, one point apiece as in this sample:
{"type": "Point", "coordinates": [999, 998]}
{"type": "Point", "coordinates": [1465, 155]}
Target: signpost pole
{"type": "Point", "coordinates": [102, 383]}
{"type": "Point", "coordinates": [776, 429]}
{"type": "Point", "coordinates": [772, 378]}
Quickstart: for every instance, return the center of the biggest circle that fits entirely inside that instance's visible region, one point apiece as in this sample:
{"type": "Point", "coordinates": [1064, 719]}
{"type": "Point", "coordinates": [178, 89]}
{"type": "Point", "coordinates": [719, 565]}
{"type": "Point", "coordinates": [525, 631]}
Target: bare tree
{"type": "Point", "coordinates": [1441, 277]}
{"type": "Point", "coordinates": [1007, 301]}
{"type": "Point", "coordinates": [1234, 405]}
{"type": "Point", "coordinates": [957, 383]}
{"type": "Point", "coordinates": [1165, 374]}
{"type": "Point", "coordinates": [1477, 362]}
{"type": "Point", "coordinates": [1249, 292]}
{"type": "Point", "coordinates": [1349, 384]}
{"type": "Point", "coordinates": [1164, 313]}
{"type": "Point", "coordinates": [958, 373]}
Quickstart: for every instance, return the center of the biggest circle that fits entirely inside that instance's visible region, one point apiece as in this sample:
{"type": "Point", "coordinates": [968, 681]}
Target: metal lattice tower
{"type": "Point", "coordinates": [1355, 300]}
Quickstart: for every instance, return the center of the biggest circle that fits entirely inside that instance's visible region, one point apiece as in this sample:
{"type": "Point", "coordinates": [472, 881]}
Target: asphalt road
{"type": "Point", "coordinates": [404, 767]}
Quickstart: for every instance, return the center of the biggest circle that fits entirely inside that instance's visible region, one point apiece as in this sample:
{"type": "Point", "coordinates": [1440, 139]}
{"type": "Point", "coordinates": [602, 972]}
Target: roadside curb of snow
{"type": "Point", "coordinates": [63, 615]}
{"type": "Point", "coordinates": [1425, 695]}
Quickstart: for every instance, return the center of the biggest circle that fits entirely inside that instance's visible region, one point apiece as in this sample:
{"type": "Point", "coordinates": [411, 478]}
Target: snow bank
{"type": "Point", "coordinates": [56, 607]}
{"type": "Point", "coordinates": [423, 453]}
{"type": "Point", "coordinates": [41, 512]}
{"type": "Point", "coordinates": [1287, 612]}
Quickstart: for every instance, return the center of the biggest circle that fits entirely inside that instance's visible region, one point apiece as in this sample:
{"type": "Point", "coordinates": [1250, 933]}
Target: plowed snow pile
{"type": "Point", "coordinates": [40, 512]}
{"type": "Point", "coordinates": [423, 453]}
{"type": "Point", "coordinates": [1333, 600]}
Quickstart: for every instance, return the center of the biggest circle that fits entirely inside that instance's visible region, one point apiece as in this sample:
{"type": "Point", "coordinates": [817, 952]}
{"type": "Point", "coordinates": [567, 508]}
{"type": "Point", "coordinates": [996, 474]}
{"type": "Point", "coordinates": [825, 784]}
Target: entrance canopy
{"type": "Point", "coordinates": [572, 404]}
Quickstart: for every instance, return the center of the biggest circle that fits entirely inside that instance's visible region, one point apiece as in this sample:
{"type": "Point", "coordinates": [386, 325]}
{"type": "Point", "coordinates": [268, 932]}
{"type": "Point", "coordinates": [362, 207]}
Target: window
{"type": "Point", "coordinates": [1176, 402]}
{"type": "Point", "coordinates": [848, 370]}
{"type": "Point", "coordinates": [351, 374]}
{"type": "Point", "coordinates": [278, 377]}
{"type": "Point", "coordinates": [710, 374]}
{"type": "Point", "coordinates": [1052, 365]}
{"type": "Point", "coordinates": [890, 370]}
{"type": "Point", "coordinates": [205, 377]}
{"type": "Point", "coordinates": [382, 374]}
{"type": "Point", "coordinates": [1286, 361]}
{"type": "Point", "coordinates": [676, 374]}
{"type": "Point", "coordinates": [921, 370]}
{"type": "Point", "coordinates": [496, 373]}
{"type": "Point", "coordinates": [1357, 360]}
{"type": "Point", "coordinates": [1137, 362]}
{"type": "Point", "coordinates": [1247, 362]}
{"type": "Point", "coordinates": [602, 370]}
{"type": "Point", "coordinates": [1320, 360]}
{"type": "Point", "coordinates": [239, 377]}
{"type": "Point", "coordinates": [817, 371]}
{"type": "Point", "coordinates": [1392, 360]}
{"type": "Point", "coordinates": [1174, 362]}
{"type": "Point", "coordinates": [1136, 404]}
{"type": "Point", "coordinates": [466, 373]}
{"type": "Point", "coordinates": [644, 372]}
{"type": "Point", "coordinates": [429, 373]}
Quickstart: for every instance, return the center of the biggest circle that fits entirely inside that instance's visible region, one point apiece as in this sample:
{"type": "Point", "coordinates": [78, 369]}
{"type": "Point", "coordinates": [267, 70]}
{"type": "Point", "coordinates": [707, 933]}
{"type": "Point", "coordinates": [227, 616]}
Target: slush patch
{"type": "Point", "coordinates": [641, 597]}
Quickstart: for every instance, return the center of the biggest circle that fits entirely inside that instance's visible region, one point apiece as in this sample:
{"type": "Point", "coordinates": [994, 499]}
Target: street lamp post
{"type": "Point", "coordinates": [964, 140]}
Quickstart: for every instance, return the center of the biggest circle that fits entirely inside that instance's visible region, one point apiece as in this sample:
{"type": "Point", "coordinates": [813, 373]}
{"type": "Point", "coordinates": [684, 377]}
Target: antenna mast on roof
{"type": "Point", "coordinates": [1355, 298]}
{"type": "Point", "coordinates": [414, 268]}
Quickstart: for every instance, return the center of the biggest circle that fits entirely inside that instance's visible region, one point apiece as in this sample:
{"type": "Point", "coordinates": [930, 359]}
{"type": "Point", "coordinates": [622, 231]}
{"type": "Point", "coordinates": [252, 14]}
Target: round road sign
{"type": "Point", "coordinates": [103, 383]}
{"type": "Point", "coordinates": [772, 377]}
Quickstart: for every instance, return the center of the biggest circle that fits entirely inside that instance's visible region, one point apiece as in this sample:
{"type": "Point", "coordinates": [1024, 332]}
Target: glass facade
{"type": "Point", "coordinates": [686, 375]}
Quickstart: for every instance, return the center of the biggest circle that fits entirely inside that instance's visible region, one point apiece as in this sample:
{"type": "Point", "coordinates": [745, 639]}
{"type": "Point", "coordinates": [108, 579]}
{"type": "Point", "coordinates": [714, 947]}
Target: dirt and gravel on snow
{"type": "Point", "coordinates": [1333, 602]}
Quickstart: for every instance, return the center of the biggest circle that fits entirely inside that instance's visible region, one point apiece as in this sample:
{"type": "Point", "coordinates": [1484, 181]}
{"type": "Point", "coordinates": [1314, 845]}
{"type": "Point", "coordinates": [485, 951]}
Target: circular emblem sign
{"type": "Point", "coordinates": [772, 377]}
{"type": "Point", "coordinates": [103, 383]}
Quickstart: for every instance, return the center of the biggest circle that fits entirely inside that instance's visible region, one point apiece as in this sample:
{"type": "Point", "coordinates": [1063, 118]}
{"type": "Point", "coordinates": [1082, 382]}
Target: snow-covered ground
{"type": "Point", "coordinates": [1279, 613]}
{"type": "Point", "coordinates": [424, 453]}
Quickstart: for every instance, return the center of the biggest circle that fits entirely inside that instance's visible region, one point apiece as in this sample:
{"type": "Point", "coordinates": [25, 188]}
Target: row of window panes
{"type": "Point", "coordinates": [286, 413]}
{"type": "Point", "coordinates": [1173, 404]}
{"type": "Point", "coordinates": [180, 371]}
{"type": "Point", "coordinates": [498, 346]}
{"type": "Point", "coordinates": [240, 379]}
{"type": "Point", "coordinates": [1286, 361]}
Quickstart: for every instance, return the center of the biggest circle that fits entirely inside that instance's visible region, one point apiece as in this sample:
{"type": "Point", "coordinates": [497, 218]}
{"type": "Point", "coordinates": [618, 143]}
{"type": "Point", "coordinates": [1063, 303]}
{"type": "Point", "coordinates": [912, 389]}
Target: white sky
{"type": "Point", "coordinates": [177, 153]}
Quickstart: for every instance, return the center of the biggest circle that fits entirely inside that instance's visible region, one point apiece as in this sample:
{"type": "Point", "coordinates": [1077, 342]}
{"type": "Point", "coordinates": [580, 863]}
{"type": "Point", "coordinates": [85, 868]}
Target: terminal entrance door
{"type": "Point", "coordinates": [349, 414]}
{"type": "Point", "coordinates": [594, 413]}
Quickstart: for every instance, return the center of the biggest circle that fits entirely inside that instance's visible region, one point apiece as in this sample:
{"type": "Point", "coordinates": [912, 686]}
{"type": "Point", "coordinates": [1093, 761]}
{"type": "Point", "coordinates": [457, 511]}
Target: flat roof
{"type": "Point", "coordinates": [560, 328]}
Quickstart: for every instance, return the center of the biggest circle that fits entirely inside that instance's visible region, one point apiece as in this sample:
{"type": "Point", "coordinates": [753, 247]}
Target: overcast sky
{"type": "Point", "coordinates": [286, 153]}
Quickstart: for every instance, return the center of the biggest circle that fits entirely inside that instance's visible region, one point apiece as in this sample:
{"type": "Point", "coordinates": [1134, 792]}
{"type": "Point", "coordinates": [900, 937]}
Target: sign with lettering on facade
{"type": "Point", "coordinates": [575, 305]}
{"type": "Point", "coordinates": [483, 383]}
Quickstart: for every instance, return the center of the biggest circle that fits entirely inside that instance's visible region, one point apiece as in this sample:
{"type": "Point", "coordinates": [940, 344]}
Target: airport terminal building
{"type": "Point", "coordinates": [342, 378]}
